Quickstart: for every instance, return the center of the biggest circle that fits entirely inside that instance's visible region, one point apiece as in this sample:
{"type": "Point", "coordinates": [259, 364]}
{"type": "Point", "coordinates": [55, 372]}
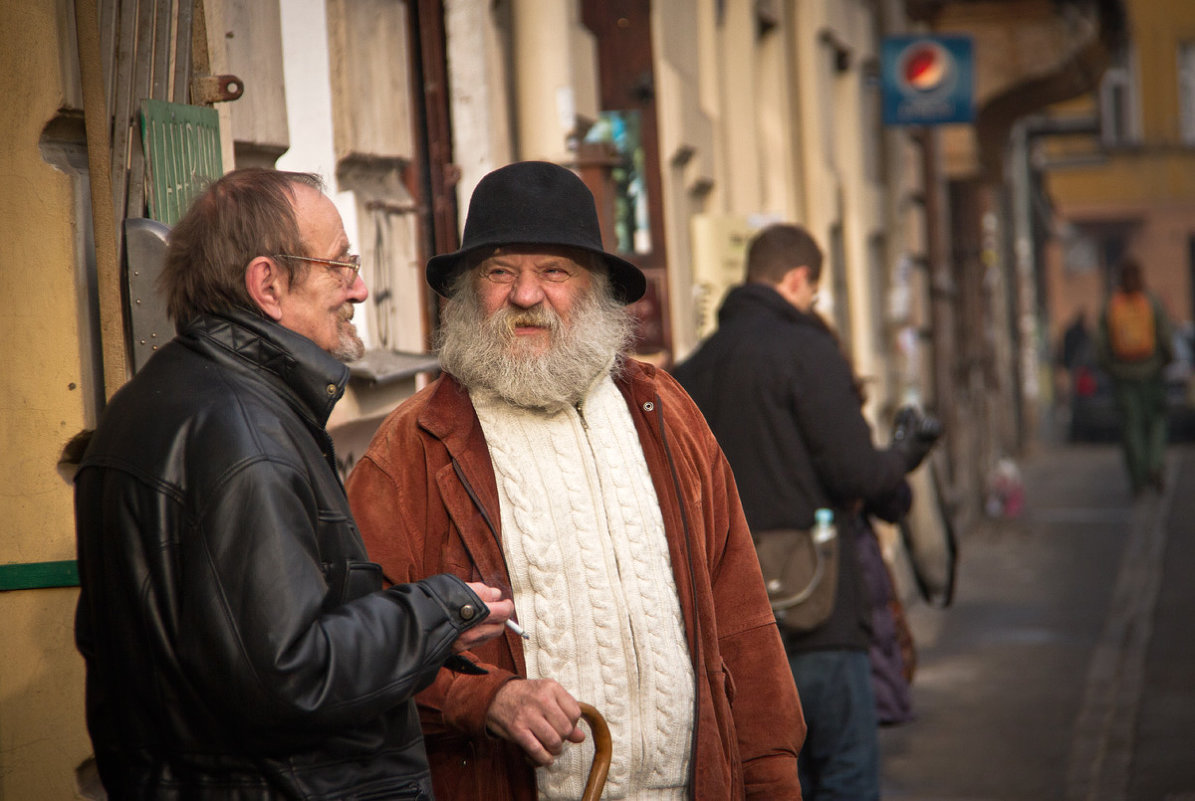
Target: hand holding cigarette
{"type": "Point", "coordinates": [500, 612]}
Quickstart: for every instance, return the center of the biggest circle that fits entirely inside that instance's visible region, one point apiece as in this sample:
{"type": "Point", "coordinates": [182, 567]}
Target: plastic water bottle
{"type": "Point", "coordinates": [823, 526]}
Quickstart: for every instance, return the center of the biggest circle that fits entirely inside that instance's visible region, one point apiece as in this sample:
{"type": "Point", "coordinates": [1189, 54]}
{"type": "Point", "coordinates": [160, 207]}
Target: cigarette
{"type": "Point", "coordinates": [517, 629]}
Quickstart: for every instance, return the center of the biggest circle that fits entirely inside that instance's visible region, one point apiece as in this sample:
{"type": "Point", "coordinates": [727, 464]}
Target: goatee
{"type": "Point", "coordinates": [485, 353]}
{"type": "Point", "coordinates": [350, 348]}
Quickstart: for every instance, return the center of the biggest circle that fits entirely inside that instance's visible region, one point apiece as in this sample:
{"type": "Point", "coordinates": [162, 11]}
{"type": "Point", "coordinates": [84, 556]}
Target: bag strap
{"type": "Point", "coordinates": [946, 598]}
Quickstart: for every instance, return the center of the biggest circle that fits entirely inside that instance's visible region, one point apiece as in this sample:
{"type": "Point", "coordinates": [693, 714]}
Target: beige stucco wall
{"type": "Point", "coordinates": [555, 77]}
{"type": "Point", "coordinates": [477, 79]}
{"type": "Point", "coordinates": [42, 737]}
{"type": "Point", "coordinates": [683, 41]}
{"type": "Point", "coordinates": [862, 210]}
{"type": "Point", "coordinates": [756, 128]}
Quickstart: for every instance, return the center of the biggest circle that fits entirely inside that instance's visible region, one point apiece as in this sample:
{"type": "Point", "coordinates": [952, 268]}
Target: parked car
{"type": "Point", "coordinates": [1180, 385]}
{"type": "Point", "coordinates": [1094, 417]}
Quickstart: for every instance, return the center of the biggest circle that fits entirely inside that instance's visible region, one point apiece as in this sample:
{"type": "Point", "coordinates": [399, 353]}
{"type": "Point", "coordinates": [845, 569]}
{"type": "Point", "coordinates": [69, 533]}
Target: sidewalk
{"type": "Point", "coordinates": [1065, 668]}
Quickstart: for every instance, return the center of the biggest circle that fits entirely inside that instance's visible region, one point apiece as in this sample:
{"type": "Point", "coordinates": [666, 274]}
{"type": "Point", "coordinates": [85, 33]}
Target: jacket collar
{"type": "Point", "coordinates": [637, 380]}
{"type": "Point", "coordinates": [449, 404]}
{"type": "Point", "coordinates": [310, 377]}
{"type": "Point", "coordinates": [750, 299]}
{"type": "Point", "coordinates": [448, 414]}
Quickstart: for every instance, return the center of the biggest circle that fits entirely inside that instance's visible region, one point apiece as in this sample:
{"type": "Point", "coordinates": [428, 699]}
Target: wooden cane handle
{"type": "Point", "coordinates": [603, 749]}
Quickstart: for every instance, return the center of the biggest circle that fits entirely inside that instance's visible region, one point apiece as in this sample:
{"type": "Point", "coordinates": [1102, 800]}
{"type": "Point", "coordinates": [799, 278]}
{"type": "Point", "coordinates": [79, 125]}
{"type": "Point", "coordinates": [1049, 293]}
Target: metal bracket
{"type": "Point", "coordinates": [207, 89]}
{"type": "Point", "coordinates": [145, 255]}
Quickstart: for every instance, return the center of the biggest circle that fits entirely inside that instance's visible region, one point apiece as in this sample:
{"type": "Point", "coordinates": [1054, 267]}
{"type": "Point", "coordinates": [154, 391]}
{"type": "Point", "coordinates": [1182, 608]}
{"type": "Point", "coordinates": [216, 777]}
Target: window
{"type": "Point", "coordinates": [1186, 92]}
{"type": "Point", "coordinates": [1120, 111]}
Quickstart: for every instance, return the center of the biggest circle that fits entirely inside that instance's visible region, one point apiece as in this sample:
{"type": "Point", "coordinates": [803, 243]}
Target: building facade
{"type": "Point", "coordinates": [1127, 186]}
{"type": "Point", "coordinates": [694, 123]}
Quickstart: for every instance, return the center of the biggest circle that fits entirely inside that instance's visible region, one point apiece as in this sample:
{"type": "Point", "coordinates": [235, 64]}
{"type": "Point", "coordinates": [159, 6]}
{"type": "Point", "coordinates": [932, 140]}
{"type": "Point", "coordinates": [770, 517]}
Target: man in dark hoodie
{"type": "Point", "coordinates": [784, 405]}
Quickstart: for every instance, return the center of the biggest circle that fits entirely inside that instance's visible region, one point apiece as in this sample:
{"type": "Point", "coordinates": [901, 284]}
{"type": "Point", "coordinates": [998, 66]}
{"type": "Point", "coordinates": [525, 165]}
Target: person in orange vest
{"type": "Point", "coordinates": [1134, 345]}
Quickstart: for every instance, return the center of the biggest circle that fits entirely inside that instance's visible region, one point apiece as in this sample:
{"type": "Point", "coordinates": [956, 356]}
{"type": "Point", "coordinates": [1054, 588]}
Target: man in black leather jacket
{"type": "Point", "coordinates": [782, 400]}
{"type": "Point", "coordinates": [238, 641]}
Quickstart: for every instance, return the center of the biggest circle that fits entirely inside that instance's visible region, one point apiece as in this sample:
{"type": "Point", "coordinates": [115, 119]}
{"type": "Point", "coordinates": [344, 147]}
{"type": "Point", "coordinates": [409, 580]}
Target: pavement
{"type": "Point", "coordinates": [1065, 668]}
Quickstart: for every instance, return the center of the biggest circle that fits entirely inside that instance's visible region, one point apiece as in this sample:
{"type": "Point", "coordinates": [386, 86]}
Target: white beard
{"type": "Point", "coordinates": [485, 353]}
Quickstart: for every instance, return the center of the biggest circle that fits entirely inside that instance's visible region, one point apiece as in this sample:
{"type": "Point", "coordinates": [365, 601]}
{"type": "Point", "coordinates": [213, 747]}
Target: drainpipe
{"type": "Point", "coordinates": [1079, 73]}
{"type": "Point", "coordinates": [113, 348]}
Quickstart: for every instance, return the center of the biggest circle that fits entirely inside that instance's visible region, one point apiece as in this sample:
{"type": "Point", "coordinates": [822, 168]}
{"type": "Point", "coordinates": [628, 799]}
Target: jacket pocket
{"type": "Point", "coordinates": [348, 579]}
{"type": "Point", "coordinates": [728, 684]}
{"type": "Point", "coordinates": [730, 737]}
{"type": "Point", "coordinates": [410, 792]}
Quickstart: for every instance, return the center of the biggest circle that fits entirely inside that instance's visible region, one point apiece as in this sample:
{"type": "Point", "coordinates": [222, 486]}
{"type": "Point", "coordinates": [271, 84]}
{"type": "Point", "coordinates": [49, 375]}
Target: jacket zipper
{"type": "Point", "coordinates": [460, 474]}
{"type": "Point", "coordinates": [485, 515]}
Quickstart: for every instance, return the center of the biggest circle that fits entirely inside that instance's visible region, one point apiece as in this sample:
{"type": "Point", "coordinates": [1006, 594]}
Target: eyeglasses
{"type": "Point", "coordinates": [353, 263]}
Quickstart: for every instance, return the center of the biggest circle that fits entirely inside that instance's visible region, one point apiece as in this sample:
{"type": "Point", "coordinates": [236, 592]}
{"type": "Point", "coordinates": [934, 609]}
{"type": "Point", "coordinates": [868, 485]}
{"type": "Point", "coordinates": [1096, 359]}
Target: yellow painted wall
{"type": "Point", "coordinates": [42, 735]}
{"type": "Point", "coordinates": [1129, 178]}
{"type": "Point", "coordinates": [1157, 27]}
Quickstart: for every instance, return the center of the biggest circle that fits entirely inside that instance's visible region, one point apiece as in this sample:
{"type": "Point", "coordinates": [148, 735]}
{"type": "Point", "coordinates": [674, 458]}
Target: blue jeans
{"type": "Point", "coordinates": [841, 757]}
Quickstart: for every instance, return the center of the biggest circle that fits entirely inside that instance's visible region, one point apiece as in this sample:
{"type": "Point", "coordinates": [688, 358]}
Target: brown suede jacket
{"type": "Point", "coordinates": [425, 498]}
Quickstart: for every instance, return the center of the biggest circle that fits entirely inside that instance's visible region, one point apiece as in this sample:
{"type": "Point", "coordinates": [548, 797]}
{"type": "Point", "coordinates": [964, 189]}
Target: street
{"type": "Point", "coordinates": [1065, 668]}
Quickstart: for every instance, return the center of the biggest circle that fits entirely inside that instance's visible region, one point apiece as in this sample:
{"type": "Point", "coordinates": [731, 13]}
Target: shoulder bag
{"type": "Point", "coordinates": [801, 576]}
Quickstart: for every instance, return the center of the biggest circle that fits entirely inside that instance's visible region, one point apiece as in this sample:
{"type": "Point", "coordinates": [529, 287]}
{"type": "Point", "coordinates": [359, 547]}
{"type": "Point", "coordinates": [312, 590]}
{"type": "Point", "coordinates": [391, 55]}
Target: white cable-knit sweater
{"type": "Point", "coordinates": [593, 586]}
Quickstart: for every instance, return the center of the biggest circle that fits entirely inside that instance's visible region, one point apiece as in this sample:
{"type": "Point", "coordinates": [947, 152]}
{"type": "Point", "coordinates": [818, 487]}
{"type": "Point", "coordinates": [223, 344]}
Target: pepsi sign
{"type": "Point", "coordinates": [927, 80]}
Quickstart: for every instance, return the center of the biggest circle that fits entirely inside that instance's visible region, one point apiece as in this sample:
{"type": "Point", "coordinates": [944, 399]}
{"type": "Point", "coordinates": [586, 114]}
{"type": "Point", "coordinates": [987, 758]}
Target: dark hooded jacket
{"type": "Point", "coordinates": [237, 639]}
{"type": "Point", "coordinates": [780, 397]}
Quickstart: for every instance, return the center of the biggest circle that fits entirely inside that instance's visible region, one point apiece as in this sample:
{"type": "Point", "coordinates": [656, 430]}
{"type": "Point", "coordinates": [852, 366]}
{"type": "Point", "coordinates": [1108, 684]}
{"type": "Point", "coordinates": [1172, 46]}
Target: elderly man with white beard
{"type": "Point", "coordinates": [548, 462]}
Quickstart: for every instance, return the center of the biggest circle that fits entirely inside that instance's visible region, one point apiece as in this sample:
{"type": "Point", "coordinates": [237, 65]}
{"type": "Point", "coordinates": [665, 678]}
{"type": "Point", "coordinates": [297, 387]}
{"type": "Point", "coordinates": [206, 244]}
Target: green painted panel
{"type": "Point", "coordinates": [35, 575]}
{"type": "Point", "coordinates": [182, 153]}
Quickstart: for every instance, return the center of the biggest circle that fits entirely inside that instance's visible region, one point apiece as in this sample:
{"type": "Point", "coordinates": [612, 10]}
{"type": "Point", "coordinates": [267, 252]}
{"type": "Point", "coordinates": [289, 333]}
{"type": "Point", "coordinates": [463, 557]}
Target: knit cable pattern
{"type": "Point", "coordinates": [665, 668]}
{"type": "Point", "coordinates": [542, 572]}
{"type": "Point", "coordinates": [530, 538]}
{"type": "Point", "coordinates": [587, 552]}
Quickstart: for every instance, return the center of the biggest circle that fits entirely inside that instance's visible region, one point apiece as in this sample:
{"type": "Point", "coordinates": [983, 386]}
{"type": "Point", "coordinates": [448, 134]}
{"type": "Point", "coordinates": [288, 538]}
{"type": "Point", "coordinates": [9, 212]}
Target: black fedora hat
{"type": "Point", "coordinates": [534, 203]}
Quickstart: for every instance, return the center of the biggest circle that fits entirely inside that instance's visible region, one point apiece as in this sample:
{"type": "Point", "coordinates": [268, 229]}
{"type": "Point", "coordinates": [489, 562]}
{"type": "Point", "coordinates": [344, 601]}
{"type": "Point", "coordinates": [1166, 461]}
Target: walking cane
{"type": "Point", "coordinates": [603, 749]}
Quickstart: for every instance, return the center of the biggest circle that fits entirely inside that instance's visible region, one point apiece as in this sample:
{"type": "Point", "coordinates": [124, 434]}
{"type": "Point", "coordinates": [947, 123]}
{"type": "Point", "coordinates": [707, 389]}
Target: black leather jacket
{"type": "Point", "coordinates": [238, 642]}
